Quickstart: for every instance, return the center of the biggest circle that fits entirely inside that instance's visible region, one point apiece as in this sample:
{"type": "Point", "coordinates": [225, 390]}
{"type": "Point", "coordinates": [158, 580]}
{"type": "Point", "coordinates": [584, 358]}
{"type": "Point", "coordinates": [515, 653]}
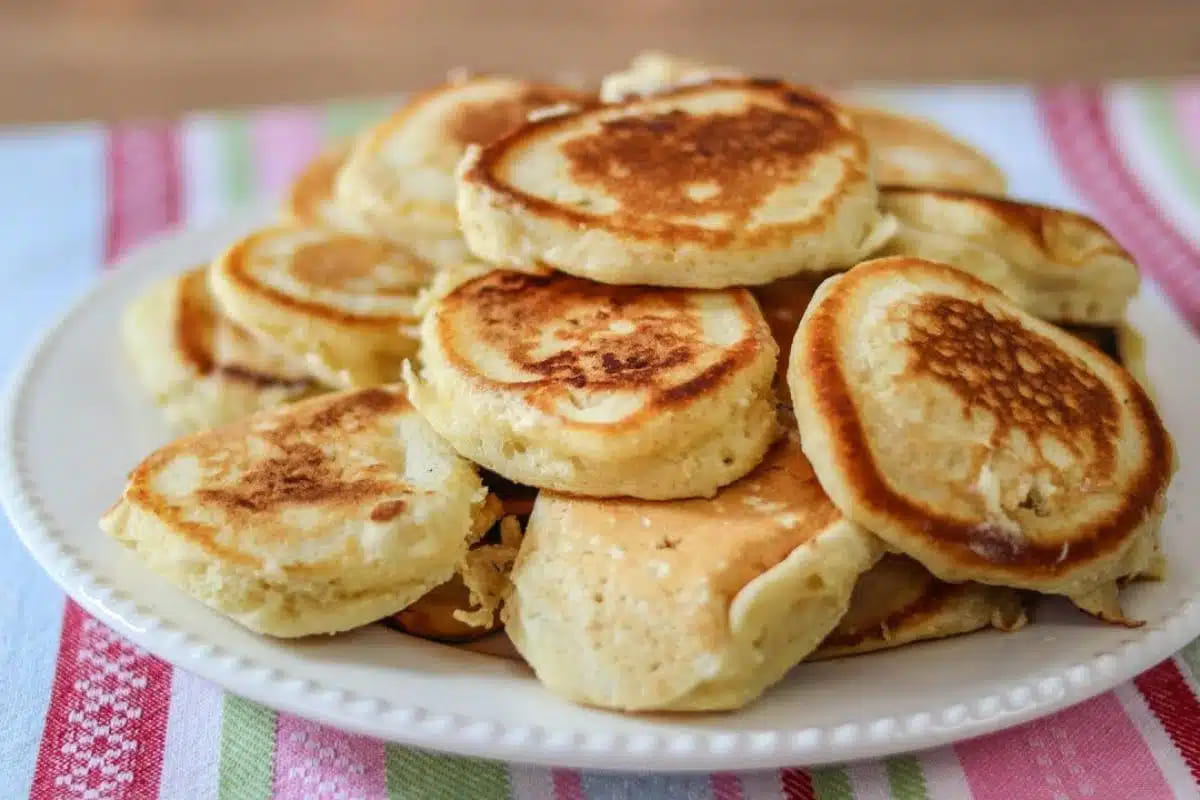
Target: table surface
{"type": "Point", "coordinates": [71, 59]}
{"type": "Point", "coordinates": [85, 711]}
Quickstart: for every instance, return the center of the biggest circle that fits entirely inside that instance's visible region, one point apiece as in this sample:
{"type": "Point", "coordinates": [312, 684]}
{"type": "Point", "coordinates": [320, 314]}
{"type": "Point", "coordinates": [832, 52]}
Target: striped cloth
{"type": "Point", "coordinates": [89, 715]}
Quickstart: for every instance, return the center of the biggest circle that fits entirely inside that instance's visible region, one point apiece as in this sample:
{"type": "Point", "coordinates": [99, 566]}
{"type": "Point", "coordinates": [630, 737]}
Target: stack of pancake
{"type": "Point", "coordinates": [681, 382]}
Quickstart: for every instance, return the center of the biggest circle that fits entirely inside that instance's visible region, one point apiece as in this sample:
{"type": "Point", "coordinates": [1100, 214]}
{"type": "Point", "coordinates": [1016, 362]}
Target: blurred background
{"type": "Point", "coordinates": [106, 59]}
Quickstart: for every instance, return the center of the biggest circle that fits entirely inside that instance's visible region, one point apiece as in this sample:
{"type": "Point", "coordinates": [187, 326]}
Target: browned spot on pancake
{"type": "Point", "coordinates": [783, 304]}
{"type": "Point", "coordinates": [302, 475]}
{"type": "Point", "coordinates": [195, 321]}
{"type": "Point", "coordinates": [388, 510]}
{"type": "Point", "coordinates": [1023, 379]}
{"type": "Point", "coordinates": [575, 334]}
{"type": "Point", "coordinates": [262, 380]}
{"type": "Point", "coordinates": [485, 121]}
{"type": "Point", "coordinates": [680, 164]}
{"type": "Point", "coordinates": [346, 262]}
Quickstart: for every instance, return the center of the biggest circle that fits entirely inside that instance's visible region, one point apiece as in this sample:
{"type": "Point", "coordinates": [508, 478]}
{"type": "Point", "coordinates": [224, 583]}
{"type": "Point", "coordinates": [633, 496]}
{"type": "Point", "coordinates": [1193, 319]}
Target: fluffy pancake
{"type": "Point", "coordinates": [400, 177]}
{"type": "Point", "coordinates": [730, 182]}
{"type": "Point", "coordinates": [974, 437]}
{"type": "Point", "coordinates": [1058, 265]}
{"type": "Point", "coordinates": [562, 383]}
{"type": "Point", "coordinates": [684, 605]}
{"type": "Point", "coordinates": [202, 369]}
{"type": "Point", "coordinates": [898, 602]}
{"type": "Point", "coordinates": [909, 151]}
{"type": "Point", "coordinates": [342, 302]}
{"type": "Point", "coordinates": [314, 518]}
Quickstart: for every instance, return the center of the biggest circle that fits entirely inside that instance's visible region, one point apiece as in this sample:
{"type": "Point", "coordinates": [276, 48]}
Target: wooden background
{"type": "Point", "coordinates": [71, 59]}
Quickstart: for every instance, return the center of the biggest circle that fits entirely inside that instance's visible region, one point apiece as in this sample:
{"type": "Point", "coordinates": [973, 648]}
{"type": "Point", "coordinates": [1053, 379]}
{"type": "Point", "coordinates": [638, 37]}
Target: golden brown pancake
{"type": "Point", "coordinates": [563, 383]}
{"type": "Point", "coordinates": [310, 201]}
{"type": "Point", "coordinates": [317, 517]}
{"type": "Point", "coordinates": [783, 303]}
{"type": "Point", "coordinates": [685, 605]}
{"type": "Point", "coordinates": [730, 182]}
{"type": "Point", "coordinates": [984, 442]}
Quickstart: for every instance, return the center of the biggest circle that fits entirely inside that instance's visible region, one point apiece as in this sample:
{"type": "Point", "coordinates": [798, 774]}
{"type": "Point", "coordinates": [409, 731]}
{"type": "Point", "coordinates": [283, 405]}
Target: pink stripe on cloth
{"type": "Point", "coordinates": [315, 761]}
{"type": "Point", "coordinates": [283, 142]}
{"type": "Point", "coordinates": [568, 784]}
{"type": "Point", "coordinates": [725, 786]}
{"type": "Point", "coordinates": [144, 184]}
{"type": "Point", "coordinates": [1076, 124]}
{"type": "Point", "coordinates": [1187, 108]}
{"type": "Point", "coordinates": [1092, 750]}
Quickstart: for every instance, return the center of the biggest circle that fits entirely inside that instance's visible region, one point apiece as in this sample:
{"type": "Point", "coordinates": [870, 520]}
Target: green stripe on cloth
{"type": "Point", "coordinates": [237, 163]}
{"type": "Point", "coordinates": [831, 783]}
{"type": "Point", "coordinates": [350, 117]}
{"type": "Point", "coordinates": [1157, 107]}
{"type": "Point", "coordinates": [1191, 656]}
{"type": "Point", "coordinates": [413, 774]}
{"type": "Point", "coordinates": [247, 750]}
{"type": "Point", "coordinates": [905, 778]}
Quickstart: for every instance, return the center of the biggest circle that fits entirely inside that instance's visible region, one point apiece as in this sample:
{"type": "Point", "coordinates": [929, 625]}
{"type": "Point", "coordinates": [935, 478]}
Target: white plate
{"type": "Point", "coordinates": [76, 423]}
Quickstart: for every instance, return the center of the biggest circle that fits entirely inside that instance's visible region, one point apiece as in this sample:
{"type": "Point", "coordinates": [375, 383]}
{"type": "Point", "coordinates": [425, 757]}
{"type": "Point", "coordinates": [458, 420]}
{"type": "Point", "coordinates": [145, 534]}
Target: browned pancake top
{"type": "Point", "coordinates": [1023, 379]}
{"type": "Point", "coordinates": [600, 337]}
{"type": "Point", "coordinates": [341, 262]}
{"type": "Point", "coordinates": [243, 484]}
{"type": "Point", "coordinates": [483, 122]}
{"type": "Point", "coordinates": [670, 170]}
{"type": "Point", "coordinates": [676, 163]}
{"type": "Point", "coordinates": [783, 303]}
{"type": "Point", "coordinates": [197, 327]}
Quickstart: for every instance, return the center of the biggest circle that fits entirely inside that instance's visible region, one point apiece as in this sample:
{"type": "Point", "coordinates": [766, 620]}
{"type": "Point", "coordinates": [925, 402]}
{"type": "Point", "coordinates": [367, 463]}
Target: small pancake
{"type": "Point", "coordinates": [310, 203]}
{"type": "Point", "coordinates": [400, 177]}
{"type": "Point", "coordinates": [314, 518]}
{"type": "Point", "coordinates": [898, 602]}
{"type": "Point", "coordinates": [202, 369]}
{"type": "Point", "coordinates": [343, 303]}
{"type": "Point", "coordinates": [1056, 264]}
{"type": "Point", "coordinates": [983, 442]}
{"type": "Point", "coordinates": [730, 182]}
{"type": "Point", "coordinates": [910, 151]}
{"type": "Point", "coordinates": [561, 383]}
{"type": "Point", "coordinates": [685, 605]}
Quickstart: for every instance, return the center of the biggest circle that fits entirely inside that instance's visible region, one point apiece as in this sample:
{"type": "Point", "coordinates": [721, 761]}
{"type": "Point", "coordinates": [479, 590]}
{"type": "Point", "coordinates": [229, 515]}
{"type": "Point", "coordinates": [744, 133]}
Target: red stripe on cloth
{"type": "Point", "coordinates": [568, 784]}
{"type": "Point", "coordinates": [725, 786]}
{"type": "Point", "coordinates": [1172, 701]}
{"type": "Point", "coordinates": [797, 784]}
{"type": "Point", "coordinates": [144, 184]}
{"type": "Point", "coordinates": [1078, 129]}
{"type": "Point", "coordinates": [107, 720]}
{"type": "Point", "coordinates": [108, 717]}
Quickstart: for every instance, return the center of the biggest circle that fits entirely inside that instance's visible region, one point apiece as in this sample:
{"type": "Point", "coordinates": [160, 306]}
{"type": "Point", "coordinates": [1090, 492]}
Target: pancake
{"type": "Point", "coordinates": [343, 303]}
{"type": "Point", "coordinates": [310, 203]}
{"type": "Point", "coordinates": [400, 177]}
{"type": "Point", "coordinates": [685, 605]}
{"type": "Point", "coordinates": [983, 442]}
{"type": "Point", "coordinates": [653, 71]}
{"type": "Point", "coordinates": [727, 183]}
{"type": "Point", "coordinates": [1057, 265]}
{"type": "Point", "coordinates": [561, 383]}
{"type": "Point", "coordinates": [898, 602]}
{"type": "Point", "coordinates": [314, 518]}
{"type": "Point", "coordinates": [201, 368]}
{"type": "Point", "coordinates": [910, 151]}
